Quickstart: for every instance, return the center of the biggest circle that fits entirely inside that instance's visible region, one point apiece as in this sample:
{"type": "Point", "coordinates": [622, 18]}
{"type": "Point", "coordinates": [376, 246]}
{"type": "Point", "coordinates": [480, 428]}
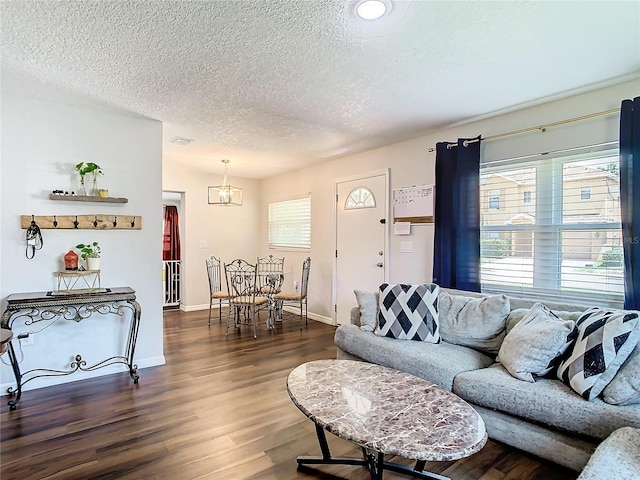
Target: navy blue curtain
{"type": "Point", "coordinates": [456, 256]}
{"type": "Point", "coordinates": [630, 199]}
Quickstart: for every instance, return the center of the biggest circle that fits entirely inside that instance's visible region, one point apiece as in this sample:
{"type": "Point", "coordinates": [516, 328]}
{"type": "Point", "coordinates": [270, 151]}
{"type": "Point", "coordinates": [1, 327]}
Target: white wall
{"type": "Point", "coordinates": [226, 232]}
{"type": "Point", "coordinates": [41, 143]}
{"type": "Point", "coordinates": [411, 163]}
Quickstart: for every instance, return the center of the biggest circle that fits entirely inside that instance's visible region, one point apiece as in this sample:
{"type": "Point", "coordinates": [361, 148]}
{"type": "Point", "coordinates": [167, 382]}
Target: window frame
{"type": "Point", "coordinates": [493, 197]}
{"type": "Point", "coordinates": [548, 246]}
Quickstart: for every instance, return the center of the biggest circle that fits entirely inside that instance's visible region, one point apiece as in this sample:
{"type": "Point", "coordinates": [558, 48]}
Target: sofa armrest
{"type": "Point", "coordinates": [616, 458]}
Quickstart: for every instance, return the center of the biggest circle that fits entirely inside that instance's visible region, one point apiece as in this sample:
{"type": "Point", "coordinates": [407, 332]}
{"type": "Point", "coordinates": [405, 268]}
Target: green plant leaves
{"type": "Point", "coordinates": [83, 168]}
{"type": "Point", "coordinates": [89, 250]}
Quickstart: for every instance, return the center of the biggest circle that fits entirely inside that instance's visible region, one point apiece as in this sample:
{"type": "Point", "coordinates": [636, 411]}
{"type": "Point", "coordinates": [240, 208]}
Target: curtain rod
{"type": "Point", "coordinates": [541, 128]}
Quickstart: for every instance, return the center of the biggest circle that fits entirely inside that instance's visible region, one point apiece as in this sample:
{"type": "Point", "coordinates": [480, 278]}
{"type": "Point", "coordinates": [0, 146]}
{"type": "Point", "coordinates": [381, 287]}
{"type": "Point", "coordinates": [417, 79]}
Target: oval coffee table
{"type": "Point", "coordinates": [385, 412]}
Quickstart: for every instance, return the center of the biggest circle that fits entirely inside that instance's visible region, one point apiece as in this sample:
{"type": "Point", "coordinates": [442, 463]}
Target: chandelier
{"type": "Point", "coordinates": [225, 194]}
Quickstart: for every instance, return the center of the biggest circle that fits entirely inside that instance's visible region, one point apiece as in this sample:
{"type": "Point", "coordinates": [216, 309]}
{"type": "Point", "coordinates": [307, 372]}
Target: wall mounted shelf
{"type": "Point", "coordinates": [78, 198]}
{"type": "Point", "coordinates": [84, 222]}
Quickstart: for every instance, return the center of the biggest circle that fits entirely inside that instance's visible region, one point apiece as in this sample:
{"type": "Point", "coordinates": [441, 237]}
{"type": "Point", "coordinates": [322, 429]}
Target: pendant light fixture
{"type": "Point", "coordinates": [225, 194]}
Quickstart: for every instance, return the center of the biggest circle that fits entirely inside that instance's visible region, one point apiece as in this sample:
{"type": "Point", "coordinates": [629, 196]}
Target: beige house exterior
{"type": "Point", "coordinates": [591, 196]}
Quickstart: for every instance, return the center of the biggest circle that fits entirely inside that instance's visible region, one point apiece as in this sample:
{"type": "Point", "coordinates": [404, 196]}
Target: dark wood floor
{"type": "Point", "coordinates": [217, 410]}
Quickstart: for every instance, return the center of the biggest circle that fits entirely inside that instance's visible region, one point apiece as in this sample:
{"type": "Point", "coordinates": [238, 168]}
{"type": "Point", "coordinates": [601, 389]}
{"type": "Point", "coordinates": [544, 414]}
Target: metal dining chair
{"type": "Point", "coordinates": [215, 286]}
{"type": "Point", "coordinates": [297, 299]}
{"type": "Point", "coordinates": [244, 303]}
{"type": "Point", "coordinates": [268, 268]}
{"type": "Point", "coordinates": [269, 282]}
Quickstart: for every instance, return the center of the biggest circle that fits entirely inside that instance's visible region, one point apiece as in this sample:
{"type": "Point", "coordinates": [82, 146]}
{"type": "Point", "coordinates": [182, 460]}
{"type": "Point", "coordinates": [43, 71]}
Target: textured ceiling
{"type": "Point", "coordinates": [278, 84]}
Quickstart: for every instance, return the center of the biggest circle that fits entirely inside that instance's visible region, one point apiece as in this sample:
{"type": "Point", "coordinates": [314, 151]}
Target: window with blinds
{"type": "Point", "coordinates": [290, 223]}
{"type": "Point", "coordinates": [550, 226]}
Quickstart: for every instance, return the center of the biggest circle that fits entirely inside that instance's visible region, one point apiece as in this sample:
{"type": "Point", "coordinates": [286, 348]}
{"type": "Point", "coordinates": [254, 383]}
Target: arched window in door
{"type": "Point", "coordinates": [360, 197]}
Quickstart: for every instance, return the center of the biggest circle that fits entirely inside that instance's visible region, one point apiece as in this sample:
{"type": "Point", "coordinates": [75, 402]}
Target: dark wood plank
{"type": "Point", "coordinates": [217, 410]}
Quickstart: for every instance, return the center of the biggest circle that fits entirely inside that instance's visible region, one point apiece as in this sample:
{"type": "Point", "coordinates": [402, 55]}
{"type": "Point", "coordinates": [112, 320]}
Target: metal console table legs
{"type": "Point", "coordinates": [51, 307]}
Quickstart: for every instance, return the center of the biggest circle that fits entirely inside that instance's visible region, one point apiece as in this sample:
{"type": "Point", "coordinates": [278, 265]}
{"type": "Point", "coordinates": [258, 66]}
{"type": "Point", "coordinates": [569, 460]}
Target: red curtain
{"type": "Point", "coordinates": [171, 240]}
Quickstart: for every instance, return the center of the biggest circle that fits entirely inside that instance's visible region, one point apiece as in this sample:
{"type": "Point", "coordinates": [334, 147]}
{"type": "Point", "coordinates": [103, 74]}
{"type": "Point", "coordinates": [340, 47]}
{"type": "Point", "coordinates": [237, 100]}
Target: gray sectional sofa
{"type": "Point", "coordinates": [545, 417]}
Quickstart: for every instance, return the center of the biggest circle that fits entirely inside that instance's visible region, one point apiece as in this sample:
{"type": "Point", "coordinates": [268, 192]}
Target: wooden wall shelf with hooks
{"type": "Point", "coordinates": [84, 222]}
{"type": "Point", "coordinates": [78, 198]}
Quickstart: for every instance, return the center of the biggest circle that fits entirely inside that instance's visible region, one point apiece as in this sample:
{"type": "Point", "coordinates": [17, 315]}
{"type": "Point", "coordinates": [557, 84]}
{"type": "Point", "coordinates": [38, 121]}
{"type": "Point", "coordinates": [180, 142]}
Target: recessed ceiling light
{"type": "Point", "coordinates": [371, 9]}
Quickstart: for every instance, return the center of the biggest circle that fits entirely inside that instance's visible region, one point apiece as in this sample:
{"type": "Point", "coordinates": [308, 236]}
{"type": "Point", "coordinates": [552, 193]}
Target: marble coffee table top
{"type": "Point", "coordinates": [387, 411]}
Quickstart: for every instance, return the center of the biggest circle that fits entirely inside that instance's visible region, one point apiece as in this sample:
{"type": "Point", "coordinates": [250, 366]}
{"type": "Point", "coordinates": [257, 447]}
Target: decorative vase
{"type": "Point", "coordinates": [82, 192]}
{"type": "Point", "coordinates": [71, 260]}
{"type": "Point", "coordinates": [94, 190]}
{"type": "Point", "coordinates": [93, 263]}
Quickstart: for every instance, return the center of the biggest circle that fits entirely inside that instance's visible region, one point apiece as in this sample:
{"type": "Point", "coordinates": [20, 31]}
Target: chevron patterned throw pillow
{"type": "Point", "coordinates": [409, 312]}
{"type": "Point", "coordinates": [605, 340]}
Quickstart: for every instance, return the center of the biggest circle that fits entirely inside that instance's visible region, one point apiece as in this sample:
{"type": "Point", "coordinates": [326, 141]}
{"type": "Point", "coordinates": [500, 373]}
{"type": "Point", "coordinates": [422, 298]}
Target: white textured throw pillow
{"type": "Point", "coordinates": [535, 345]}
{"type": "Point", "coordinates": [368, 303]}
{"type": "Point", "coordinates": [476, 322]}
{"type": "Point", "coordinates": [409, 312]}
{"type": "Point", "coordinates": [605, 340]}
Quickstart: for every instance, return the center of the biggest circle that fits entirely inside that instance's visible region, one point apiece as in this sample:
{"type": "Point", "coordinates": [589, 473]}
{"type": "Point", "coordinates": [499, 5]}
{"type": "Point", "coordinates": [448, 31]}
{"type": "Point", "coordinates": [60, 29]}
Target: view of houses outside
{"type": "Point", "coordinates": [553, 225]}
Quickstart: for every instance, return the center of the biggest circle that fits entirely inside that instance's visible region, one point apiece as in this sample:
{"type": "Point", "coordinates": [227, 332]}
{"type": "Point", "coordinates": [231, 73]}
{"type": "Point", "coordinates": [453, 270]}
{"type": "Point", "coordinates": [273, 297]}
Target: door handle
{"type": "Point", "coordinates": [379, 264]}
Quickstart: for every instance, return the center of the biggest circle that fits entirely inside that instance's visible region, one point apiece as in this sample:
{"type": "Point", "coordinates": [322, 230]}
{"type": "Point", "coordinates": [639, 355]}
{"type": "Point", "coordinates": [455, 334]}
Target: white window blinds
{"type": "Point", "coordinates": [290, 223]}
{"type": "Point", "coordinates": [557, 231]}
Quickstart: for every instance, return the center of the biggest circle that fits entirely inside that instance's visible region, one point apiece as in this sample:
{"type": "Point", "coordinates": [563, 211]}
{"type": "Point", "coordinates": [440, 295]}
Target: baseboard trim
{"type": "Point", "coordinates": [194, 308]}
{"type": "Point", "coordinates": [321, 318]}
{"type": "Point", "coordinates": [311, 315]}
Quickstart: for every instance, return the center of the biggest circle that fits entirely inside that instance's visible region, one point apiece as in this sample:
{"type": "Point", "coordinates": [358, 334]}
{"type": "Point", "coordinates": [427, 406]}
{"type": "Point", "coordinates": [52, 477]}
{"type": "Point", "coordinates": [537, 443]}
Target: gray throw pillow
{"type": "Point", "coordinates": [516, 315]}
{"type": "Point", "coordinates": [624, 389]}
{"type": "Point", "coordinates": [473, 322]}
{"type": "Point", "coordinates": [535, 345]}
{"type": "Point", "coordinates": [368, 304]}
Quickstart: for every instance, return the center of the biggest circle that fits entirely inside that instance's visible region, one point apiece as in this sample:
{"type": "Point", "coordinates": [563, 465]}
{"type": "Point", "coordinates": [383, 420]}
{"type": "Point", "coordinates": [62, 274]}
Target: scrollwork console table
{"type": "Point", "coordinates": [55, 306]}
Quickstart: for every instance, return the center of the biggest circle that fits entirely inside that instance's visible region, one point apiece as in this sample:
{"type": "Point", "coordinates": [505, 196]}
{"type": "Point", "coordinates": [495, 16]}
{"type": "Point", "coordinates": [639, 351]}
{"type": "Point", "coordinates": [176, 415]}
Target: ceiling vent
{"type": "Point", "coordinates": [182, 141]}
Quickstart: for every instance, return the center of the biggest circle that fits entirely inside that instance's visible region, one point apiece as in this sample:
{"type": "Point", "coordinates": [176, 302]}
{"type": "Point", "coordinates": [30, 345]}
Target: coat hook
{"type": "Point", "coordinates": [75, 224]}
{"type": "Point", "coordinates": [95, 221]}
{"type": "Point", "coordinates": [115, 222]}
{"type": "Point", "coordinates": [133, 222]}
{"type": "Point", "coordinates": [55, 222]}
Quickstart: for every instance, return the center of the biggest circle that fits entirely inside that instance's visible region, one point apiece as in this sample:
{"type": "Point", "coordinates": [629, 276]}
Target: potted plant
{"type": "Point", "coordinates": [90, 253]}
{"type": "Point", "coordinates": [83, 168]}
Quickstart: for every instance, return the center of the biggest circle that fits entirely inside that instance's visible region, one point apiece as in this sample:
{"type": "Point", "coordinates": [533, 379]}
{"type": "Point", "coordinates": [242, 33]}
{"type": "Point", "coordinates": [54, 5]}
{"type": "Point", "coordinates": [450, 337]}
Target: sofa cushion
{"type": "Point", "coordinates": [409, 312]}
{"type": "Point", "coordinates": [368, 305]}
{"type": "Point", "coordinates": [547, 401]}
{"type": "Point", "coordinates": [534, 346]}
{"type": "Point", "coordinates": [439, 363]}
{"type": "Point", "coordinates": [624, 389]}
{"type": "Point", "coordinates": [605, 340]}
{"type": "Point", "coordinates": [473, 322]}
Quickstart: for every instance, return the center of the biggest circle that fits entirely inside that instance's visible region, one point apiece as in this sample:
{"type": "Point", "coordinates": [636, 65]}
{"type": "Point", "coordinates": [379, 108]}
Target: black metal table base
{"type": "Point", "coordinates": [373, 461]}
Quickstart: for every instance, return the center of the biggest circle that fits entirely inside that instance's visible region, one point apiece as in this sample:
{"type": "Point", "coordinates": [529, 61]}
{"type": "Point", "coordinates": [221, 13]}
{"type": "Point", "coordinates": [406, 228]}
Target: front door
{"type": "Point", "coordinates": [361, 239]}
